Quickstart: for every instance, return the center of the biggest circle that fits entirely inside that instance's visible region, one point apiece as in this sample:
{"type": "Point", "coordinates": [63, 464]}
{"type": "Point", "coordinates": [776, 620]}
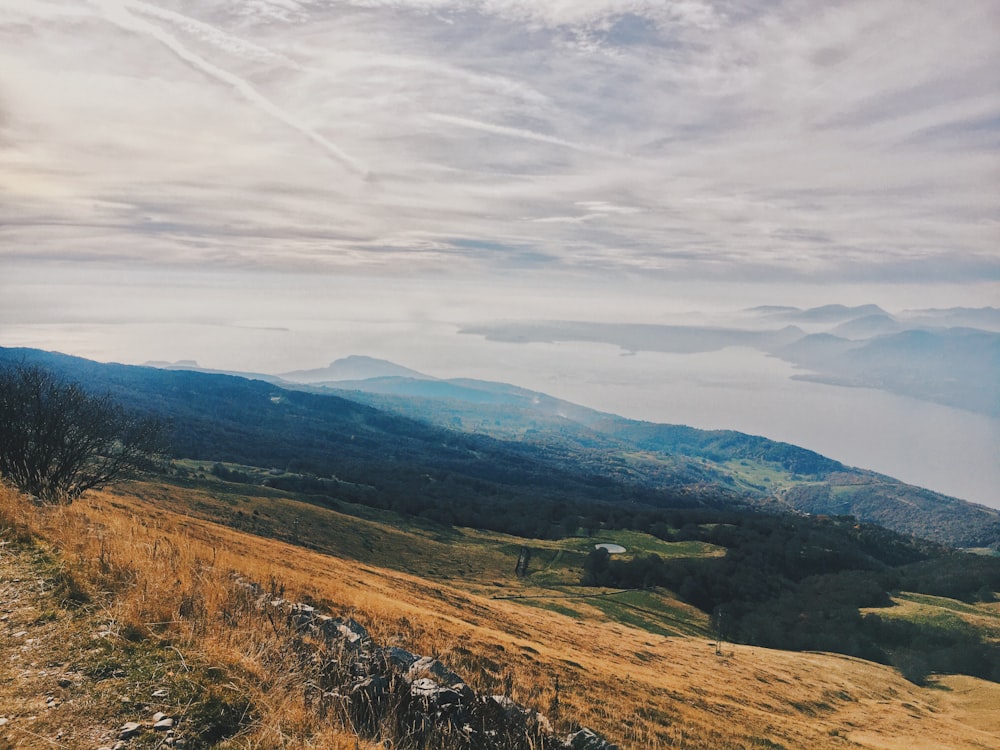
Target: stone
{"type": "Point", "coordinates": [506, 703]}
{"type": "Point", "coordinates": [353, 635]}
{"type": "Point", "coordinates": [428, 666]}
{"type": "Point", "coordinates": [64, 682]}
{"type": "Point", "coordinates": [353, 630]}
{"type": "Point", "coordinates": [371, 687]}
{"type": "Point", "coordinates": [467, 693]}
{"type": "Point", "coordinates": [158, 715]}
{"type": "Point", "coordinates": [301, 614]}
{"type": "Point", "coordinates": [367, 678]}
{"type": "Point", "coordinates": [518, 714]}
{"type": "Point", "coordinates": [399, 658]}
{"type": "Point", "coordinates": [588, 739]}
{"type": "Point", "coordinates": [433, 693]}
{"type": "Point", "coordinates": [161, 693]}
{"type": "Point", "coordinates": [129, 729]}
{"type": "Point", "coordinates": [3, 721]}
{"type": "Point", "coordinates": [424, 688]}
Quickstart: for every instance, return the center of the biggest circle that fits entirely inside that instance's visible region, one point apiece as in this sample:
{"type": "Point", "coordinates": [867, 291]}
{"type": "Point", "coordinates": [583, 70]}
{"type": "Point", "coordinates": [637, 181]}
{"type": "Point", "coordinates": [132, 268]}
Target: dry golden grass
{"type": "Point", "coordinates": [167, 575]}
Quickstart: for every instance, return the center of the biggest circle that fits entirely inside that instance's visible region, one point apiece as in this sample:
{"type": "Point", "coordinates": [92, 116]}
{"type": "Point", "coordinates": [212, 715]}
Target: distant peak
{"type": "Point", "coordinates": [179, 364]}
{"type": "Point", "coordinates": [354, 367]}
{"type": "Point", "coordinates": [359, 359]}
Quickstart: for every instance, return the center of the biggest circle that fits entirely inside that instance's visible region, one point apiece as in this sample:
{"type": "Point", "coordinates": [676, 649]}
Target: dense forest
{"type": "Point", "coordinates": [772, 475]}
{"type": "Point", "coordinates": [800, 583]}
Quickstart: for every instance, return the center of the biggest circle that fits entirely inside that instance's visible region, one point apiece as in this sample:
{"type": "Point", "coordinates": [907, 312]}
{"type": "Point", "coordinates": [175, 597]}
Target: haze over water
{"type": "Point", "coordinates": [945, 449]}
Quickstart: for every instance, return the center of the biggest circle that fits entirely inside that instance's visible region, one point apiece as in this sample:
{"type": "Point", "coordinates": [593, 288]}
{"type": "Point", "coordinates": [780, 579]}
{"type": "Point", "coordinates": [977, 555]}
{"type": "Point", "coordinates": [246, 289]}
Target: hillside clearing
{"type": "Point", "coordinates": [643, 690]}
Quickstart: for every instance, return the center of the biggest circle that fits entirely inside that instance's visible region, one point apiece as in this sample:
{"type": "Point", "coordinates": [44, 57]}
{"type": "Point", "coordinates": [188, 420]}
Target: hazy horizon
{"type": "Point", "coordinates": [946, 449]}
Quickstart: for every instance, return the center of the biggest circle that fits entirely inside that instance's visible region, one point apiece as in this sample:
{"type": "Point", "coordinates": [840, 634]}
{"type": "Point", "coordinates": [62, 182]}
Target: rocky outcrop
{"type": "Point", "coordinates": [389, 692]}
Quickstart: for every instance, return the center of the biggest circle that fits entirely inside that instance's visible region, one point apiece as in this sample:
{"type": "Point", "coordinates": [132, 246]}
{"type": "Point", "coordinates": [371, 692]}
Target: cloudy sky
{"type": "Point", "coordinates": [747, 140]}
{"type": "Point", "coordinates": [238, 161]}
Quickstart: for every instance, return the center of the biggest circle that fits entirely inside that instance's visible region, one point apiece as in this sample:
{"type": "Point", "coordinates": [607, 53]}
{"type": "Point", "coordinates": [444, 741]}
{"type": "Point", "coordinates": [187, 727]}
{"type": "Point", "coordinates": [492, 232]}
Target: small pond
{"type": "Point", "coordinates": [613, 549]}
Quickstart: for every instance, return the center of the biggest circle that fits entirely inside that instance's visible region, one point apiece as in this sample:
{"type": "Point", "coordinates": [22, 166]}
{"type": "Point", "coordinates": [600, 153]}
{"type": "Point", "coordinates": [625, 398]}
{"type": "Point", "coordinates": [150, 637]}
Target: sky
{"type": "Point", "coordinates": [270, 184]}
{"type": "Point", "coordinates": [761, 142]}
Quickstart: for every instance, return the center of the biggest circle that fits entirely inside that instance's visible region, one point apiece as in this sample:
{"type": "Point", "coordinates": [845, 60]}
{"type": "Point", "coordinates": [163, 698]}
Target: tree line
{"type": "Point", "coordinates": [798, 584]}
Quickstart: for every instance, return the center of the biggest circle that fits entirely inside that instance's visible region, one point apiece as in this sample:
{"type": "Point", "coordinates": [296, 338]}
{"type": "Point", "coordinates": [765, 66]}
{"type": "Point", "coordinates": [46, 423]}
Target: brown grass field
{"type": "Point", "coordinates": [131, 589]}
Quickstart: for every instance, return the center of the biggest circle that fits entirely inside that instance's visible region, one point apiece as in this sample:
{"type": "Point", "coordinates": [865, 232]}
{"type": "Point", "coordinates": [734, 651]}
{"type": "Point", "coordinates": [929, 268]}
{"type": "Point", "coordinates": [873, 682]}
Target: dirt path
{"type": "Point", "coordinates": [45, 701]}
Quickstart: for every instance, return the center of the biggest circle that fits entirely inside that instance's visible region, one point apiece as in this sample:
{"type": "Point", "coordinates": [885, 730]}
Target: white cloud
{"type": "Point", "coordinates": [796, 139]}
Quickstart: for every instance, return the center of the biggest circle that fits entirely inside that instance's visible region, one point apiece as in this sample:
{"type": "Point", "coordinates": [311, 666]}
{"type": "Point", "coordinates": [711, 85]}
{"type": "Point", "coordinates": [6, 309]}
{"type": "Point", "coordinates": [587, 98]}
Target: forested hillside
{"type": "Point", "coordinates": [773, 475]}
{"type": "Point", "coordinates": [493, 455]}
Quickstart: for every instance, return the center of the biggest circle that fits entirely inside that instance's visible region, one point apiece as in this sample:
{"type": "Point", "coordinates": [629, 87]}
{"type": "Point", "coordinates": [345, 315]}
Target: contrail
{"type": "Point", "coordinates": [530, 135]}
{"type": "Point", "coordinates": [117, 13]}
{"type": "Point", "coordinates": [213, 35]}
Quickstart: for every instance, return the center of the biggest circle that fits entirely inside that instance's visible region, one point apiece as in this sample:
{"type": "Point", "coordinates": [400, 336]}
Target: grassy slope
{"type": "Point", "coordinates": [641, 689]}
{"type": "Point", "coordinates": [476, 561]}
{"type": "Point", "coordinates": [944, 613]}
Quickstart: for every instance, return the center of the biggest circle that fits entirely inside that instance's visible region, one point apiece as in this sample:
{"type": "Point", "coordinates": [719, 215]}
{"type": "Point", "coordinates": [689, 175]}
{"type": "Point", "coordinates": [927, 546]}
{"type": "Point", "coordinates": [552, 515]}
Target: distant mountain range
{"type": "Point", "coordinates": [191, 365]}
{"type": "Point", "coordinates": [466, 450]}
{"type": "Point", "coordinates": [823, 314]}
{"type": "Point", "coordinates": [954, 366]}
{"type": "Point", "coordinates": [924, 354]}
{"type": "Point", "coordinates": [987, 318]}
{"type": "Point", "coordinates": [933, 355]}
{"type": "Point", "coordinates": [770, 474]}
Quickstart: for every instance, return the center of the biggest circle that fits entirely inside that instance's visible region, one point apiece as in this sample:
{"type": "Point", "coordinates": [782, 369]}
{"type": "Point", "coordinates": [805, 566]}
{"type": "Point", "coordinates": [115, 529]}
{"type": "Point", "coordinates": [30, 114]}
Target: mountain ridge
{"type": "Point", "coordinates": [517, 441]}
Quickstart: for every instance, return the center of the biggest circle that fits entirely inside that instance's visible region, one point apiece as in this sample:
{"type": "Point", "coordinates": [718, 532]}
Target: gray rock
{"type": "Point", "coordinates": [588, 739]}
{"type": "Point", "coordinates": [400, 658]}
{"type": "Point", "coordinates": [518, 714]}
{"type": "Point", "coordinates": [352, 629]}
{"type": "Point", "coordinates": [302, 614]}
{"type": "Point", "coordinates": [467, 693]}
{"type": "Point", "coordinates": [353, 635]}
{"type": "Point", "coordinates": [427, 666]}
{"type": "Point", "coordinates": [129, 729]}
{"type": "Point", "coordinates": [164, 724]}
{"type": "Point", "coordinates": [371, 688]}
{"type": "Point", "coordinates": [506, 703]}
